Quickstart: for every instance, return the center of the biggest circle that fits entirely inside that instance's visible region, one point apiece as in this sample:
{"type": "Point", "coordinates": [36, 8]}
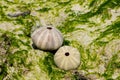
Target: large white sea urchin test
{"type": "Point", "coordinates": [67, 58]}
{"type": "Point", "coordinates": [47, 38]}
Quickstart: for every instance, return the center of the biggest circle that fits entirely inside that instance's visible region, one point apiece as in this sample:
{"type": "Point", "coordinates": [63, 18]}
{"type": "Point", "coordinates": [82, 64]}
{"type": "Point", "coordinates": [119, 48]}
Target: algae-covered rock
{"type": "Point", "coordinates": [91, 26]}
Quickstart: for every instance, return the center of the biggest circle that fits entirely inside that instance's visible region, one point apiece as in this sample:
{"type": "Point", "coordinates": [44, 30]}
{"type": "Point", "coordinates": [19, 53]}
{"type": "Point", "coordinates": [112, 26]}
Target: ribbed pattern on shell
{"type": "Point", "coordinates": [68, 62]}
{"type": "Point", "coordinates": [47, 38]}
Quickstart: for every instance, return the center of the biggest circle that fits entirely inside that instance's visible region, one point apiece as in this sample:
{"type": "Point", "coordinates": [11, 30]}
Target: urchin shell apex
{"type": "Point", "coordinates": [47, 38]}
{"type": "Point", "coordinates": [67, 58]}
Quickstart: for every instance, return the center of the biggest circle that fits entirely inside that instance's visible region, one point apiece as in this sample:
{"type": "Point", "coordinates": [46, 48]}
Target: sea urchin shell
{"type": "Point", "coordinates": [47, 38]}
{"type": "Point", "coordinates": [67, 58]}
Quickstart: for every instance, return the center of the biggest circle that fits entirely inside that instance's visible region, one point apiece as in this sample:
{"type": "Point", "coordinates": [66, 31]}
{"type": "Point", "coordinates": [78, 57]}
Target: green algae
{"type": "Point", "coordinates": [111, 66]}
{"type": "Point", "coordinates": [20, 55]}
{"type": "Point", "coordinates": [50, 68]}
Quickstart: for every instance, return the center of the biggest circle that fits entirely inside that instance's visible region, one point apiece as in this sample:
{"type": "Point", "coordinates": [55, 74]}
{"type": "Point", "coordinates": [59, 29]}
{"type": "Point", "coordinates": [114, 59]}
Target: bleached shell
{"type": "Point", "coordinates": [65, 61]}
{"type": "Point", "coordinates": [47, 38]}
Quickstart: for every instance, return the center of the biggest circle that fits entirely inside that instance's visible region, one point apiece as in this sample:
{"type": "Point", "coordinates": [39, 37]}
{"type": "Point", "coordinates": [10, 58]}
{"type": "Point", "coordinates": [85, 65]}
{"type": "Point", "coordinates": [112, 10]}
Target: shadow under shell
{"type": "Point", "coordinates": [35, 47]}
